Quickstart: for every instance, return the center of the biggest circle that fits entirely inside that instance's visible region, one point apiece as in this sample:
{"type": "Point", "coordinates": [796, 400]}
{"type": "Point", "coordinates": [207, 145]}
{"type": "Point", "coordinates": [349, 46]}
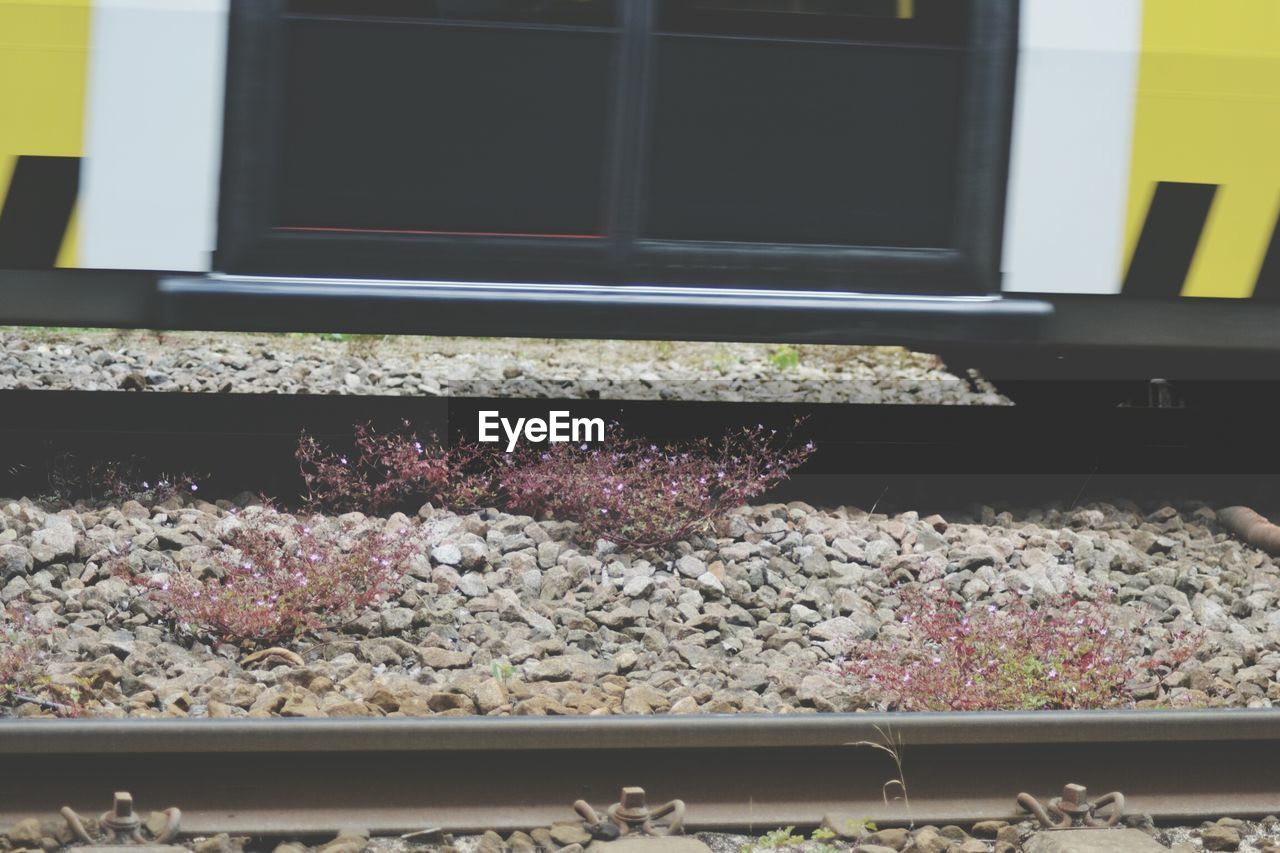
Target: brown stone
{"type": "Point", "coordinates": [1220, 837]}
{"type": "Point", "coordinates": [26, 833]}
{"type": "Point", "coordinates": [490, 842]}
{"type": "Point", "coordinates": [845, 826]}
{"type": "Point", "coordinates": [569, 832]}
{"type": "Point", "coordinates": [929, 840]}
{"type": "Point", "coordinates": [220, 843]}
{"type": "Point", "coordinates": [520, 842]}
{"type": "Point", "coordinates": [274, 656]}
{"type": "Point", "coordinates": [895, 838]}
{"type": "Point", "coordinates": [384, 699]}
{"type": "Point", "coordinates": [1009, 835]}
{"type": "Point", "coordinates": [1093, 841]}
{"type": "Point", "coordinates": [539, 706]}
{"type": "Point", "coordinates": [353, 709]}
{"type": "Point", "coordinates": [451, 701]}
{"type": "Point", "coordinates": [988, 828]}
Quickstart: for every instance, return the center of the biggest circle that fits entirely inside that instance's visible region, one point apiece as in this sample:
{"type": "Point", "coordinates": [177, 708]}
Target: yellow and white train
{"type": "Point", "coordinates": [1062, 176]}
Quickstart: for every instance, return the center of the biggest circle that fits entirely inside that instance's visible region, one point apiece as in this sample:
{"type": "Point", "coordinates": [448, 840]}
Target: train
{"type": "Point", "coordinates": [1024, 184]}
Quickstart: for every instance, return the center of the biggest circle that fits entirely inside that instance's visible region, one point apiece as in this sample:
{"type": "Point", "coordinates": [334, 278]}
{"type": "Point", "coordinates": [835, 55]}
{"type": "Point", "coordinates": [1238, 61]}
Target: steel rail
{"type": "Point", "coordinates": [295, 776]}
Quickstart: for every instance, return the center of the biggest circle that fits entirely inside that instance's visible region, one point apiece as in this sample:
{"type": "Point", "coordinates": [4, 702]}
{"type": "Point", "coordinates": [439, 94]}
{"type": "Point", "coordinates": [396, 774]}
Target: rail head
{"type": "Point", "coordinates": [483, 734]}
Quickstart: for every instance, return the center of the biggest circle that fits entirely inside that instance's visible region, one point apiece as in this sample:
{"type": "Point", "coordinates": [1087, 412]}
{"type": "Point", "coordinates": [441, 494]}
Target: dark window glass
{"type": "Point", "coordinates": [601, 13]}
{"type": "Point", "coordinates": [800, 142]}
{"type": "Point", "coordinates": [905, 21]}
{"type": "Point", "coordinates": [418, 128]}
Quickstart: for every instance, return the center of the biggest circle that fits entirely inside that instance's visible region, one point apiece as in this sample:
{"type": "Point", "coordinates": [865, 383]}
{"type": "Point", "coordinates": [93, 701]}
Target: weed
{"type": "Point", "coordinates": [640, 495]}
{"type": "Point", "coordinates": [71, 479]}
{"type": "Point", "coordinates": [387, 471]}
{"type": "Point", "coordinates": [822, 833]}
{"type": "Point", "coordinates": [723, 360]}
{"type": "Point", "coordinates": [24, 648]}
{"type": "Point", "coordinates": [1063, 654]}
{"type": "Point", "coordinates": [364, 346]}
{"type": "Point", "coordinates": [774, 840]}
{"type": "Point", "coordinates": [502, 671]}
{"type": "Point", "coordinates": [784, 357]}
{"type": "Point", "coordinates": [20, 652]}
{"type": "Point", "coordinates": [278, 578]}
{"type": "Point", "coordinates": [892, 747]}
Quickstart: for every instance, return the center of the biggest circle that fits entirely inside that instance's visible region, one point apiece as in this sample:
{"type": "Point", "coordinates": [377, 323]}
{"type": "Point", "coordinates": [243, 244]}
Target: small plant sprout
{"type": "Point", "coordinates": [502, 671]}
{"type": "Point", "coordinates": [784, 357]}
{"type": "Point", "coordinates": [776, 839]}
{"type": "Point", "coordinates": [822, 833]}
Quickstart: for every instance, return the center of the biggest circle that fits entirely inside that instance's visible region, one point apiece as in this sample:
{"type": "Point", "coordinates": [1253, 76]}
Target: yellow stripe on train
{"type": "Point", "coordinates": [44, 53]}
{"type": "Point", "coordinates": [1208, 112]}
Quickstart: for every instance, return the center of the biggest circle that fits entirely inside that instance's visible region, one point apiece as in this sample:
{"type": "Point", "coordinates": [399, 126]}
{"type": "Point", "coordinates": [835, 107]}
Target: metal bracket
{"type": "Point", "coordinates": [1073, 810]}
{"type": "Point", "coordinates": [121, 825]}
{"type": "Point", "coordinates": [632, 814]}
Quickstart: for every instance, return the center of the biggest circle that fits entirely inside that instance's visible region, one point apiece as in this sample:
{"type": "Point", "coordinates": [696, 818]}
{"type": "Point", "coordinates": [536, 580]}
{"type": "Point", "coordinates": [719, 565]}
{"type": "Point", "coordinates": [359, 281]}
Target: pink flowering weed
{"type": "Point", "coordinates": [21, 652]}
{"type": "Point", "coordinates": [1062, 654]}
{"type": "Point", "coordinates": [638, 494]}
{"type": "Point", "coordinates": [278, 578]}
{"type": "Point", "coordinates": [387, 471]}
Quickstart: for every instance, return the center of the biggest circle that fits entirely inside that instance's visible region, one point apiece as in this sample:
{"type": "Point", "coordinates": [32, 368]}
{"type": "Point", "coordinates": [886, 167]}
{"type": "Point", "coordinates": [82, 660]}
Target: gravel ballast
{"type": "Point", "coordinates": [747, 621]}
{"type": "Point", "coordinates": [1134, 835]}
{"type": "Point", "coordinates": [89, 360]}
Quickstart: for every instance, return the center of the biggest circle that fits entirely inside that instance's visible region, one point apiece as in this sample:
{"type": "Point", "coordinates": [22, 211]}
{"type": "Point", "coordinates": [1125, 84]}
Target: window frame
{"type": "Point", "coordinates": [247, 243]}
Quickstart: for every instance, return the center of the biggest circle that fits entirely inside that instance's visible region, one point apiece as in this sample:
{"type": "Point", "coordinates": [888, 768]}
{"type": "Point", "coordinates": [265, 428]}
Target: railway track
{"type": "Point", "coordinates": [293, 777]}
{"type": "Point", "coordinates": [735, 772]}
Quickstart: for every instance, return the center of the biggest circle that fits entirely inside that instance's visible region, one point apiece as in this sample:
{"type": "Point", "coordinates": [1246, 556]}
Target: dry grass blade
{"type": "Point", "coordinates": [893, 748]}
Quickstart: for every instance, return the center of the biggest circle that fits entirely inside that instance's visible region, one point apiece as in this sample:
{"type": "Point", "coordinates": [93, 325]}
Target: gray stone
{"type": "Point", "coordinates": [710, 584]}
{"type": "Point", "coordinates": [14, 560]}
{"type": "Point", "coordinates": [446, 554]}
{"type": "Point", "coordinates": [472, 585]}
{"type": "Point", "coordinates": [55, 541]}
{"type": "Point", "coordinates": [861, 626]}
{"type": "Point", "coordinates": [690, 566]}
{"type": "Point", "coordinates": [806, 615]}
{"type": "Point", "coordinates": [438, 658]}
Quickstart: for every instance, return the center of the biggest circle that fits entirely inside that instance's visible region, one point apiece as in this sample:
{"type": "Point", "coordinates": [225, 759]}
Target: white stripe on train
{"type": "Point", "coordinates": [1072, 142]}
{"type": "Point", "coordinates": [153, 140]}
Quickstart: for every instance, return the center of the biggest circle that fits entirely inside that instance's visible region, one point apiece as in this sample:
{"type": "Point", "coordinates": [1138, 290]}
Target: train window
{"type": "Point", "coordinates": [416, 128]}
{"type": "Point", "coordinates": [906, 21]}
{"type": "Point", "coordinates": [766, 139]}
{"type": "Point", "coordinates": [785, 143]}
{"type": "Point", "coordinates": [558, 12]}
